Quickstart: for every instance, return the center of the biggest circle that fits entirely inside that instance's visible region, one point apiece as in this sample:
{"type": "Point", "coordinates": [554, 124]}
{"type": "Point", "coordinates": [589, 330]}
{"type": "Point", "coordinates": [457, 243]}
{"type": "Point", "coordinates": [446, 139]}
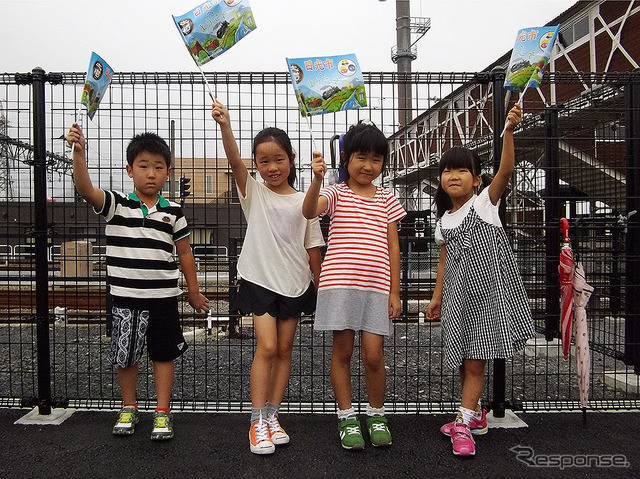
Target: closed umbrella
{"type": "Point", "coordinates": [566, 269]}
{"type": "Point", "coordinates": [581, 294]}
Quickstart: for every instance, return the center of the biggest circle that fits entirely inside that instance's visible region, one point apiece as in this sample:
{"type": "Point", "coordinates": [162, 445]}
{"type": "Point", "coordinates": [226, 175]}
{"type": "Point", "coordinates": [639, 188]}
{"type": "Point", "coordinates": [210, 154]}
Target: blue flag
{"type": "Point", "coordinates": [212, 28]}
{"type": "Point", "coordinates": [327, 84]}
{"type": "Point", "coordinates": [97, 81]}
{"type": "Point", "coordinates": [529, 57]}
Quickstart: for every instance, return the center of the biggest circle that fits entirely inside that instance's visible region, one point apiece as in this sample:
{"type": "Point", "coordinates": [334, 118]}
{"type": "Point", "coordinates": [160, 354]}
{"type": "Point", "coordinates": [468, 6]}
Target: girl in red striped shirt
{"type": "Point", "coordinates": [359, 286]}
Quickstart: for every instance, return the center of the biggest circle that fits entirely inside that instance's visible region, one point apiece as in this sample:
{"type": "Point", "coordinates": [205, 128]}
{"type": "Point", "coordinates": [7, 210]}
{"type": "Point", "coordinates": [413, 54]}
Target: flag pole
{"type": "Point", "coordinates": [206, 82]}
{"type": "Point", "coordinates": [313, 141]}
{"type": "Point", "coordinates": [519, 102]}
{"type": "Point", "coordinates": [79, 123]}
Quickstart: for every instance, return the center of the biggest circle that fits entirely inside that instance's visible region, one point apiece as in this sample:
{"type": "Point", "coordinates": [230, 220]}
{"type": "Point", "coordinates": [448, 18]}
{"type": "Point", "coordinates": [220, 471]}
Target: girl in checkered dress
{"type": "Point", "coordinates": [479, 294]}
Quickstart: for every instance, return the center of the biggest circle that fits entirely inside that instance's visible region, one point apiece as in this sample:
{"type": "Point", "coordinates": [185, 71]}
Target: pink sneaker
{"type": "Point", "coordinates": [477, 426]}
{"type": "Point", "coordinates": [462, 440]}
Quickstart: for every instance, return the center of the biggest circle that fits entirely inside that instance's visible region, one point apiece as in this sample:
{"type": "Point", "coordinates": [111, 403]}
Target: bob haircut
{"type": "Point", "coordinates": [363, 137]}
{"type": "Point", "coordinates": [283, 141]}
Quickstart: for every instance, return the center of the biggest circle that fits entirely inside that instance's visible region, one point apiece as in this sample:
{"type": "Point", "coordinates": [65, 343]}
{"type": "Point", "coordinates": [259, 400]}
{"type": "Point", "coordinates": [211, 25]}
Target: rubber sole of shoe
{"type": "Point", "coordinates": [382, 444]}
{"type": "Point", "coordinates": [475, 432]}
{"type": "Point", "coordinates": [123, 432]}
{"type": "Point", "coordinates": [161, 437]}
{"type": "Point", "coordinates": [280, 440]}
{"type": "Point", "coordinates": [262, 450]}
{"type": "Point", "coordinates": [464, 455]}
{"type": "Point", "coordinates": [357, 447]}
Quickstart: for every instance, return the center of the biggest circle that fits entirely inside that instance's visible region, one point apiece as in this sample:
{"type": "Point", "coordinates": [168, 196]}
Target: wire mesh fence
{"type": "Point", "coordinates": [576, 155]}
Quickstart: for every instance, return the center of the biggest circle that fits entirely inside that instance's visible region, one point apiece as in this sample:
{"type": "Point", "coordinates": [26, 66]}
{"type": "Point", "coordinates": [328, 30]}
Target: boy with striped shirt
{"type": "Point", "coordinates": [142, 230]}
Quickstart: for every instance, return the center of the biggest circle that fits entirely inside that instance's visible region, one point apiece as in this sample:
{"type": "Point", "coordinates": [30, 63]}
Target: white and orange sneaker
{"type": "Point", "coordinates": [277, 434]}
{"type": "Point", "coordinates": [259, 438]}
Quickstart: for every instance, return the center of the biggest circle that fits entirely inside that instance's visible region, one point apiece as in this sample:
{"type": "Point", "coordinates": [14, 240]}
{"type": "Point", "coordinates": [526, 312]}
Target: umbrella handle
{"type": "Point", "coordinates": [564, 229]}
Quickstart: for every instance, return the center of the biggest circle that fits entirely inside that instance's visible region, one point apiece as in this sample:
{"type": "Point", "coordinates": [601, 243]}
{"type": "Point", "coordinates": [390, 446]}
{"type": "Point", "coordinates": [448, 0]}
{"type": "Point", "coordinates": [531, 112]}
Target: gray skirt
{"type": "Point", "coordinates": [356, 309]}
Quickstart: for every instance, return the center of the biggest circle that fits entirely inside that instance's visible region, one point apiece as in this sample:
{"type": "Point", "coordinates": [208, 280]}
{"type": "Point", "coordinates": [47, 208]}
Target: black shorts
{"type": "Point", "coordinates": [255, 299]}
{"type": "Point", "coordinates": [155, 321]}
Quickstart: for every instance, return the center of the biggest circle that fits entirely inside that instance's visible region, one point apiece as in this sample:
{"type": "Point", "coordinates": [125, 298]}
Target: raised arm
{"type": "Point", "coordinates": [81, 178]}
{"type": "Point", "coordinates": [507, 160]}
{"type": "Point", "coordinates": [314, 204]}
{"type": "Point", "coordinates": [220, 114]}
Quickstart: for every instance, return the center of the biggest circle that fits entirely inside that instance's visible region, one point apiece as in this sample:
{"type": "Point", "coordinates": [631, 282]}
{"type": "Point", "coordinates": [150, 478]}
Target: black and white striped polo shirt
{"type": "Point", "coordinates": [140, 245]}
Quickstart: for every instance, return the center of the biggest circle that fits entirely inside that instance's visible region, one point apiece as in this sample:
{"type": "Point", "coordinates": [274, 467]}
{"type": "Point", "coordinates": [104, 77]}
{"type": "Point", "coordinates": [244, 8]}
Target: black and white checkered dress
{"type": "Point", "coordinates": [485, 312]}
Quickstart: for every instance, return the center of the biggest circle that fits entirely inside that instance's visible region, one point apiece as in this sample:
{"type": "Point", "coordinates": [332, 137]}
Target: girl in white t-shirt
{"type": "Point", "coordinates": [479, 293]}
{"type": "Point", "coordinates": [360, 280]}
{"type": "Point", "coordinates": [278, 266]}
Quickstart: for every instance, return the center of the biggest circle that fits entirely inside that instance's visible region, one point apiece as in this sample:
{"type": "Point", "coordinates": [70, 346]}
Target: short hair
{"type": "Point", "coordinates": [282, 139]}
{"type": "Point", "coordinates": [151, 143]}
{"type": "Point", "coordinates": [364, 137]}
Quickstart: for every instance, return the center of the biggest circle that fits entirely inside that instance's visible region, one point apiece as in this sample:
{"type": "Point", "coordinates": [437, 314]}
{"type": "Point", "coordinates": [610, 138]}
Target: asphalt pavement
{"type": "Point", "coordinates": [215, 445]}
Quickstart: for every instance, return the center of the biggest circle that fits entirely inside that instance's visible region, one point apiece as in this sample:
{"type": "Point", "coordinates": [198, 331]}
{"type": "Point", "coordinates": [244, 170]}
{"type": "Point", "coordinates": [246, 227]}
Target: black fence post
{"type": "Point", "coordinates": [632, 243]}
{"type": "Point", "coordinates": [37, 78]}
{"type": "Point", "coordinates": [234, 317]}
{"type": "Point", "coordinates": [552, 223]}
{"type": "Point", "coordinates": [499, 404]}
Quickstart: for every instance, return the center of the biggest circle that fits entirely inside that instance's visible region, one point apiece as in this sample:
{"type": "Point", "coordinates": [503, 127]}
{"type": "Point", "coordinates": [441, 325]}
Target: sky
{"type": "Point", "coordinates": [139, 35]}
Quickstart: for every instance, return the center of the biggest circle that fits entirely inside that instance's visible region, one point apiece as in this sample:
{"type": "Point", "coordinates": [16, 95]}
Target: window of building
{"type": "Point", "coordinates": [575, 30]}
{"type": "Point", "coordinates": [208, 184]}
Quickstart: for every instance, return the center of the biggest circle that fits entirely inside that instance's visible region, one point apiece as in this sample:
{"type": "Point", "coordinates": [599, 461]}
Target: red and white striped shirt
{"type": "Point", "coordinates": [358, 248]}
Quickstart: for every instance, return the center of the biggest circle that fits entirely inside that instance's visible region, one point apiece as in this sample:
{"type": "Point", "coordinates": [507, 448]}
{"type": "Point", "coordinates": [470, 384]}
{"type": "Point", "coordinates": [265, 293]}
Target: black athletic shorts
{"type": "Point", "coordinates": [155, 321]}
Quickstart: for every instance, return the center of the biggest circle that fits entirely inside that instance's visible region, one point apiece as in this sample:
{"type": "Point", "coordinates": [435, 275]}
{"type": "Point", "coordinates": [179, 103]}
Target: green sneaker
{"type": "Point", "coordinates": [127, 420]}
{"type": "Point", "coordinates": [350, 434]}
{"type": "Point", "coordinates": [162, 426]}
{"type": "Point", "coordinates": [379, 431]}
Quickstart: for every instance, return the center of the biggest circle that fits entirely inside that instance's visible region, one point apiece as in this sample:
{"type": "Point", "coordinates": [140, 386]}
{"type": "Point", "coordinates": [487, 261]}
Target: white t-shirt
{"type": "Point", "coordinates": [486, 210]}
{"type": "Point", "coordinates": [274, 252]}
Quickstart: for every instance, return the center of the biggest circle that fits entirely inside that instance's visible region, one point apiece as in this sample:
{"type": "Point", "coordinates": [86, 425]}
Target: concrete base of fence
{"type": "Point", "coordinates": [509, 421]}
{"type": "Point", "coordinates": [627, 382]}
{"type": "Point", "coordinates": [34, 418]}
{"type": "Point", "coordinates": [541, 348]}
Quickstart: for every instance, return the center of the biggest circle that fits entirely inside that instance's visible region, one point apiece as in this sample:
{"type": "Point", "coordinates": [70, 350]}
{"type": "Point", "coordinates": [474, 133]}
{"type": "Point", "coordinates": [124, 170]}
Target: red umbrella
{"type": "Point", "coordinates": [566, 269]}
{"type": "Point", "coordinates": [581, 294]}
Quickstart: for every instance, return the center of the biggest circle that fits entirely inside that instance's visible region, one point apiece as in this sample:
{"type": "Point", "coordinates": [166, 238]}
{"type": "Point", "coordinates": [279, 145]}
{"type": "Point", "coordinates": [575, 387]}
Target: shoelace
{"type": "Point", "coordinates": [126, 417]}
{"type": "Point", "coordinates": [273, 424]}
{"type": "Point", "coordinates": [161, 422]}
{"type": "Point", "coordinates": [352, 430]}
{"type": "Point", "coordinates": [262, 431]}
{"type": "Point", "coordinates": [379, 426]}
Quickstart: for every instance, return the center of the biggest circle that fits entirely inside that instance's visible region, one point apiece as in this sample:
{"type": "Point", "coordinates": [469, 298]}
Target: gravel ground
{"type": "Point", "coordinates": [213, 374]}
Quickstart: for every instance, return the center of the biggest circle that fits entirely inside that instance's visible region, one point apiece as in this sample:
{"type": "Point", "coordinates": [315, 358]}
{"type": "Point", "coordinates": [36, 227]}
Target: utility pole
{"type": "Point", "coordinates": [404, 53]}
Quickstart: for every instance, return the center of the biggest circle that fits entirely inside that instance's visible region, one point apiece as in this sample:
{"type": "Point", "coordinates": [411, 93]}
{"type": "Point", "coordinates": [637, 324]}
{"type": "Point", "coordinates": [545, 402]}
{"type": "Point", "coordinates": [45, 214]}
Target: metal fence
{"type": "Point", "coordinates": [577, 156]}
